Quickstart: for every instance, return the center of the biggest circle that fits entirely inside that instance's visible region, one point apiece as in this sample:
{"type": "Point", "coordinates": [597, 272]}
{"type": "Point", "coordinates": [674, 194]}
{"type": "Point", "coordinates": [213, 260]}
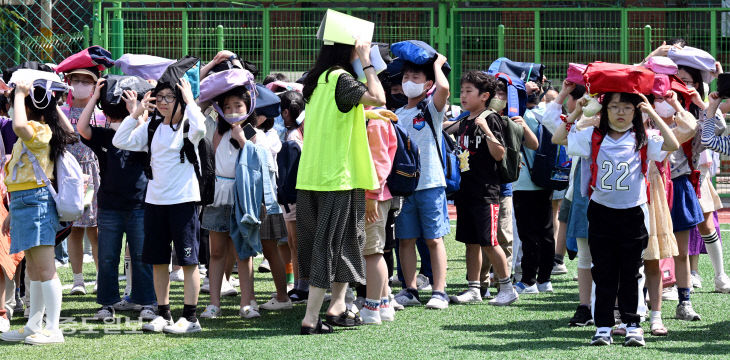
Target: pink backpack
{"type": "Point", "coordinates": [575, 73]}
{"type": "Point", "coordinates": [95, 56]}
{"type": "Point", "coordinates": [661, 85]}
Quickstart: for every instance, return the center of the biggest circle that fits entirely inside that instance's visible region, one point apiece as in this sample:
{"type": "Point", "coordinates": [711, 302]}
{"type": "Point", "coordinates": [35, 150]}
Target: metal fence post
{"type": "Point", "coordinates": [16, 43]}
{"type": "Point", "coordinates": [624, 35]}
{"type": "Point", "coordinates": [85, 32]}
{"type": "Point", "coordinates": [96, 23]}
{"type": "Point", "coordinates": [647, 39]}
{"type": "Point", "coordinates": [267, 41]}
{"type": "Point", "coordinates": [185, 32]}
{"type": "Point", "coordinates": [713, 42]}
{"type": "Point", "coordinates": [537, 36]}
{"type": "Point", "coordinates": [219, 37]}
{"type": "Point", "coordinates": [442, 37]}
{"type": "Point", "coordinates": [116, 41]}
{"type": "Point", "coordinates": [500, 40]}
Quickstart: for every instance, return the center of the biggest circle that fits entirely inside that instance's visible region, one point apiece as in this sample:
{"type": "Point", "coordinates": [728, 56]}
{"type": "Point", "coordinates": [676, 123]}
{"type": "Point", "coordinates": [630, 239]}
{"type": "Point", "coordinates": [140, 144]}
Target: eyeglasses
{"type": "Point", "coordinates": [167, 98]}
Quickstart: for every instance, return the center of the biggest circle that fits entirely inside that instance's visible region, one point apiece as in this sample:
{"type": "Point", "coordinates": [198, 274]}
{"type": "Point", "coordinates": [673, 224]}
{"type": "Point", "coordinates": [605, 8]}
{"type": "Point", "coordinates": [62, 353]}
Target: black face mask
{"type": "Point", "coordinates": [395, 101]}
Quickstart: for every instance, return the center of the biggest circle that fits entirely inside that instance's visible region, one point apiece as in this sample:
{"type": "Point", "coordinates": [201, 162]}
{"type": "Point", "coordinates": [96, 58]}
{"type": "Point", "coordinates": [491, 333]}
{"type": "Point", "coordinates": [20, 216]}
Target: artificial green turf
{"type": "Point", "coordinates": [534, 327]}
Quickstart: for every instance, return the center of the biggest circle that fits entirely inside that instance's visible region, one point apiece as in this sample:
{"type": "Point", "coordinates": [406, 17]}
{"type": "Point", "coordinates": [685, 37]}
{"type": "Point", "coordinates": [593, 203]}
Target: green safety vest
{"type": "Point", "coordinates": [335, 153]}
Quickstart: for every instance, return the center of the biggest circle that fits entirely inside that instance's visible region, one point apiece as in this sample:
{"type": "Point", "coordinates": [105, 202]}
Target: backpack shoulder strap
{"type": "Point", "coordinates": [423, 107]}
{"type": "Point", "coordinates": [596, 140]}
{"type": "Point", "coordinates": [40, 175]}
{"type": "Point", "coordinates": [151, 129]}
{"type": "Point", "coordinates": [188, 151]}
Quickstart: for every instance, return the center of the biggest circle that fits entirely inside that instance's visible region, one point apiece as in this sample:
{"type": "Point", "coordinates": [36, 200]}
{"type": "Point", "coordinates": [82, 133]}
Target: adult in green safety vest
{"type": "Point", "coordinates": [335, 169]}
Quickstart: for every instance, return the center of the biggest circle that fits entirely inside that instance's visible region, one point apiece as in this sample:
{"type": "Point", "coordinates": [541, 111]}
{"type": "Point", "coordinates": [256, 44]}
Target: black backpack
{"type": "Point", "coordinates": [204, 169]}
{"type": "Point", "coordinates": [288, 162]}
{"type": "Point", "coordinates": [406, 170]}
{"type": "Point", "coordinates": [551, 166]}
{"type": "Point", "coordinates": [512, 134]}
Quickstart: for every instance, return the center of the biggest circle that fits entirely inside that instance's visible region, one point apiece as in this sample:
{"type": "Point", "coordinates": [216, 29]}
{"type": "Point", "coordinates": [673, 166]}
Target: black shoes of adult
{"type": "Point", "coordinates": [320, 328]}
{"type": "Point", "coordinates": [298, 296]}
{"type": "Point", "coordinates": [346, 319]}
{"type": "Point", "coordinates": [582, 317]}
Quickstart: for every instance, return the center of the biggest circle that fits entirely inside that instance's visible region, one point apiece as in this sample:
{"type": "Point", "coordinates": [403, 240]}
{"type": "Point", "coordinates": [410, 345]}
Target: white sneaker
{"type": "Point", "coordinates": [603, 337]}
{"type": "Point", "coordinates": [274, 305]}
{"type": "Point", "coordinates": [437, 303]}
{"type": "Point", "coordinates": [26, 312]}
{"type": "Point", "coordinates": [394, 304]}
{"type": "Point", "coordinates": [722, 284]}
{"type": "Point", "coordinates": [202, 270]}
{"type": "Point", "coordinates": [248, 312]}
{"type": "Point", "coordinates": [4, 324]}
{"type": "Point", "coordinates": [559, 269]}
{"type": "Point", "coordinates": [422, 282]}
{"type": "Point", "coordinates": [686, 312]}
{"type": "Point", "coordinates": [546, 287]}
{"type": "Point", "coordinates": [157, 324]}
{"type": "Point", "coordinates": [88, 259]}
{"type": "Point", "coordinates": [370, 317]}
{"type": "Point", "coordinates": [254, 305]}
{"type": "Point", "coordinates": [60, 264]}
{"type": "Point", "coordinates": [211, 312]}
{"type": "Point", "coordinates": [126, 305]}
{"type": "Point", "coordinates": [387, 313]}
{"type": "Point", "coordinates": [505, 298]}
{"type": "Point", "coordinates": [670, 294]}
{"type": "Point", "coordinates": [349, 296]}
{"type": "Point", "coordinates": [394, 280]}
{"type": "Point", "coordinates": [177, 276]}
{"type": "Point", "coordinates": [45, 337]}
{"type": "Point", "coordinates": [205, 288]}
{"type": "Point", "coordinates": [359, 302]}
{"type": "Point", "coordinates": [469, 296]}
{"type": "Point", "coordinates": [183, 326]}
{"type": "Point", "coordinates": [234, 282]}
{"type": "Point", "coordinates": [17, 335]}
{"type": "Point", "coordinates": [227, 289]}
{"type": "Point", "coordinates": [106, 312]}
{"type": "Point", "coordinates": [96, 287]}
{"type": "Point", "coordinates": [264, 267]}
{"type": "Point", "coordinates": [148, 312]}
{"type": "Point", "coordinates": [78, 289]}
{"type": "Point", "coordinates": [518, 272]}
{"type": "Point", "coordinates": [522, 288]}
{"type": "Point", "coordinates": [696, 279]}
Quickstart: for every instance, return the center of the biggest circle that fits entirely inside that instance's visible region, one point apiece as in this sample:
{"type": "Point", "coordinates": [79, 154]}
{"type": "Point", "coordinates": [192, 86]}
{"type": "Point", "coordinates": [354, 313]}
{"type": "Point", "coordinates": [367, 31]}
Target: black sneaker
{"type": "Point", "coordinates": [582, 317]}
{"type": "Point", "coordinates": [298, 296]}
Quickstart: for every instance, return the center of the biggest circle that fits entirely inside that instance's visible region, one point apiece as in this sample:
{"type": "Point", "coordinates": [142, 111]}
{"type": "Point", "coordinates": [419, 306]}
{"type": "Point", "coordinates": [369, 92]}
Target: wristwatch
{"type": "Point", "coordinates": [233, 57]}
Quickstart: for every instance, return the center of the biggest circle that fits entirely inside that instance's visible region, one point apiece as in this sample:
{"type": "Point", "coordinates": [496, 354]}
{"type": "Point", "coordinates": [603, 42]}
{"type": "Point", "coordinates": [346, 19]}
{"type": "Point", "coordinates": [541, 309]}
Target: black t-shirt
{"type": "Point", "coordinates": [481, 183]}
{"type": "Point", "coordinates": [123, 182]}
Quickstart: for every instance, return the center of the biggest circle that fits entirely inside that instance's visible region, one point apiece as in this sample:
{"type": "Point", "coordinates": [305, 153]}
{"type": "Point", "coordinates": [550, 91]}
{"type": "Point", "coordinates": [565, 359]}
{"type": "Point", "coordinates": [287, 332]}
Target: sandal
{"type": "Point", "coordinates": [658, 329]}
{"type": "Point", "coordinates": [320, 328]}
{"type": "Point", "coordinates": [346, 319]}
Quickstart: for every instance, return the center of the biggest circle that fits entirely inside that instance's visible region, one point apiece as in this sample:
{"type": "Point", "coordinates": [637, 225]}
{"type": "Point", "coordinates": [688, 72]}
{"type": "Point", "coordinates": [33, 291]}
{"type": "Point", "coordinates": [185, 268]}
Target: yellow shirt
{"type": "Point", "coordinates": [39, 145]}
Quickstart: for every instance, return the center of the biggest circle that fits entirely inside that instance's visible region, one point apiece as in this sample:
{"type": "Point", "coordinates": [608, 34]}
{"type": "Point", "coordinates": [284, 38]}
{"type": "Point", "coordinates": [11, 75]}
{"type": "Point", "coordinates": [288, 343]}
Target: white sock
{"type": "Point", "coordinates": [128, 271]}
{"type": "Point", "coordinates": [37, 306]}
{"type": "Point", "coordinates": [655, 317]}
{"type": "Point", "coordinates": [52, 299]}
{"type": "Point", "coordinates": [505, 284]}
{"type": "Point", "coordinates": [714, 249]}
{"type": "Point", "coordinates": [78, 278]}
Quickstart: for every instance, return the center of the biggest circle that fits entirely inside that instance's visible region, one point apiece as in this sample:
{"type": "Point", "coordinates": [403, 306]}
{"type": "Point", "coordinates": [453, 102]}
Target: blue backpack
{"type": "Point", "coordinates": [288, 162]}
{"type": "Point", "coordinates": [448, 151]}
{"type": "Point", "coordinates": [516, 94]}
{"type": "Point", "coordinates": [518, 70]}
{"type": "Point", "coordinates": [551, 167]}
{"type": "Point", "coordinates": [406, 170]}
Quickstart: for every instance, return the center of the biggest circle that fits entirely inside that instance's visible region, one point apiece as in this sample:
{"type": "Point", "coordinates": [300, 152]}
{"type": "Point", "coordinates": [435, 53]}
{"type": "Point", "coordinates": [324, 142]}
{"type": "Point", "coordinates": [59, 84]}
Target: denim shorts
{"type": "Point", "coordinates": [217, 218]}
{"type": "Point", "coordinates": [33, 219]}
{"type": "Point", "coordinates": [424, 215]}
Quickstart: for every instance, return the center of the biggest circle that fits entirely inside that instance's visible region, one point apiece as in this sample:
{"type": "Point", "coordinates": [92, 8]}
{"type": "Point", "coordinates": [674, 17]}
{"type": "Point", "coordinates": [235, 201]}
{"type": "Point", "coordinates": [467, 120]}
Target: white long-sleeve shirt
{"type": "Point", "coordinates": [173, 182]}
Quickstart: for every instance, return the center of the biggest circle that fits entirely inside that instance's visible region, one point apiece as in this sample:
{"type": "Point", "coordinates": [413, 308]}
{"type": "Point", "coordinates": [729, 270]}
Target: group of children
{"type": "Point", "coordinates": [639, 183]}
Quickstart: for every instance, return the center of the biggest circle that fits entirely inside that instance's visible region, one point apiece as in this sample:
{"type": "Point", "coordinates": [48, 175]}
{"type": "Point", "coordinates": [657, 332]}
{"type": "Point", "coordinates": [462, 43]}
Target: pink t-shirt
{"type": "Point", "coordinates": [383, 144]}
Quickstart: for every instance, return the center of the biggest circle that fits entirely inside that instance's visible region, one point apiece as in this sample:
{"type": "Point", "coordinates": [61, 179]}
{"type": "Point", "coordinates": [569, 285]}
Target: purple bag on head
{"type": "Point", "coordinates": [662, 65]}
{"type": "Point", "coordinates": [575, 73]}
{"type": "Point", "coordinates": [219, 83]}
{"type": "Point", "coordinates": [147, 67]}
{"type": "Point", "coordinates": [696, 59]}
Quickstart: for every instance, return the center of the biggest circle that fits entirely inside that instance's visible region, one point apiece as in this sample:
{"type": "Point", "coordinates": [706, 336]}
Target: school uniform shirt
{"type": "Point", "coordinates": [678, 160]}
{"type": "Point", "coordinates": [123, 182]}
{"type": "Point", "coordinates": [23, 178]}
{"type": "Point", "coordinates": [172, 182]}
{"type": "Point", "coordinates": [620, 184]}
{"type": "Point", "coordinates": [481, 182]}
{"type": "Point", "coordinates": [226, 157]}
{"type": "Point", "coordinates": [432, 172]}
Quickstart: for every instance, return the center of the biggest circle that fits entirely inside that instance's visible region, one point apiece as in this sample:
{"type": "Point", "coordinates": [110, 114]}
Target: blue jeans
{"type": "Point", "coordinates": [62, 252]}
{"type": "Point", "coordinates": [113, 224]}
{"type": "Point", "coordinates": [423, 253]}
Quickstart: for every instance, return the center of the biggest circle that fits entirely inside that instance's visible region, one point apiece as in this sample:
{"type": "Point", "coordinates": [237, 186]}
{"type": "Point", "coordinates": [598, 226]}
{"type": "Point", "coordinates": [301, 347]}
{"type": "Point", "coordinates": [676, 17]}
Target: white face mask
{"type": "Point", "coordinates": [82, 91]}
{"type": "Point", "coordinates": [690, 86]}
{"type": "Point", "coordinates": [497, 104]}
{"type": "Point", "coordinates": [114, 125]}
{"type": "Point", "coordinates": [663, 109]}
{"type": "Point", "coordinates": [413, 90]}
